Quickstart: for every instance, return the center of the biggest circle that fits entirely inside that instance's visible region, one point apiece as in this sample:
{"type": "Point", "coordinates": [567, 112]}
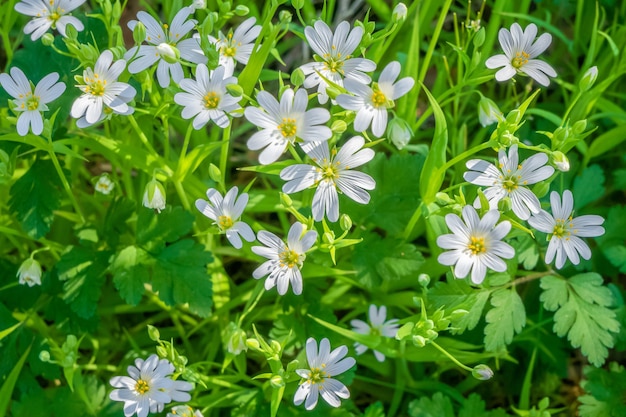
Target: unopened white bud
{"type": "Point", "coordinates": [154, 196]}
{"type": "Point", "coordinates": [399, 12]}
{"type": "Point", "coordinates": [30, 272]}
{"type": "Point", "coordinates": [168, 52]}
{"type": "Point", "coordinates": [488, 112]}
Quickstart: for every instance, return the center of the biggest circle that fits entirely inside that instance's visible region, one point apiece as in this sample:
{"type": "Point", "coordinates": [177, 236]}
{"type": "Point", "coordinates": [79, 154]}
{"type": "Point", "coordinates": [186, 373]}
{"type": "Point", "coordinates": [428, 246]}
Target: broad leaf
{"type": "Point", "coordinates": [507, 317]}
{"type": "Point", "coordinates": [130, 273]}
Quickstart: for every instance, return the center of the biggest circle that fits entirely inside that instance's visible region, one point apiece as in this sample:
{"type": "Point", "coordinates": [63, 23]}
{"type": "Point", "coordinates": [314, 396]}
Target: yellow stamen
{"type": "Point", "coordinates": [142, 386]}
{"type": "Point", "coordinates": [288, 127]}
{"type": "Point", "coordinates": [211, 100]}
{"type": "Point", "coordinates": [288, 258]}
{"type": "Point", "coordinates": [378, 98]}
{"type": "Point", "coordinates": [477, 245]}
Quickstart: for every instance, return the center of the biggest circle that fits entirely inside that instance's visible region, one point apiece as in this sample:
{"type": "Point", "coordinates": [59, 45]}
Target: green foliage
{"type": "Point", "coordinates": [507, 317]}
{"type": "Point", "coordinates": [588, 187]}
{"type": "Point", "coordinates": [155, 230]}
{"type": "Point", "coordinates": [130, 273]}
{"type": "Point", "coordinates": [581, 304]}
{"type": "Point", "coordinates": [458, 294]}
{"type": "Point", "coordinates": [612, 242]}
{"type": "Point", "coordinates": [441, 406]}
{"type": "Point", "coordinates": [604, 392]}
{"type": "Point", "coordinates": [35, 196]}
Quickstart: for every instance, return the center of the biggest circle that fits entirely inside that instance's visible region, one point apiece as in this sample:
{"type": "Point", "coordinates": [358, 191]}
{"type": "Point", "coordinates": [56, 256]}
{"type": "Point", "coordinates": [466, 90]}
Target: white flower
{"type": "Point", "coordinates": [323, 366]}
{"type": "Point", "coordinates": [102, 93]}
{"type": "Point", "coordinates": [49, 14]}
{"type": "Point", "coordinates": [30, 104]}
{"type": "Point", "coordinates": [148, 387]}
{"type": "Point", "coordinates": [226, 213]}
{"type": "Point", "coordinates": [154, 196]}
{"type": "Point", "coordinates": [237, 46]}
{"type": "Point", "coordinates": [336, 54]}
{"type": "Point", "coordinates": [206, 97]}
{"type": "Point", "coordinates": [377, 327]}
{"type": "Point", "coordinates": [284, 261]}
{"type": "Point", "coordinates": [475, 244]}
{"type": "Point", "coordinates": [519, 54]}
{"type": "Point", "coordinates": [29, 272]}
{"type": "Point", "coordinates": [372, 104]}
{"type": "Point", "coordinates": [565, 231]}
{"type": "Point", "coordinates": [156, 36]}
{"type": "Point", "coordinates": [184, 411]}
{"type": "Point", "coordinates": [330, 173]}
{"type": "Point", "coordinates": [104, 184]}
{"type": "Point", "coordinates": [510, 179]}
{"type": "Point", "coordinates": [284, 122]}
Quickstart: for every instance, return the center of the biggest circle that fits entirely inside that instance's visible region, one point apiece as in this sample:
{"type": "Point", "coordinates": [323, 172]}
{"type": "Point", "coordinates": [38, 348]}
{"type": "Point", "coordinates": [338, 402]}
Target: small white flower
{"type": "Point", "coordinates": [104, 184]}
{"type": "Point", "coordinates": [49, 14]}
{"type": "Point", "coordinates": [510, 179]}
{"type": "Point", "coordinates": [565, 231]}
{"type": "Point", "coordinates": [226, 213]}
{"type": "Point", "coordinates": [154, 196]}
{"type": "Point", "coordinates": [519, 53]}
{"type": "Point", "coordinates": [330, 173]}
{"type": "Point", "coordinates": [184, 411]}
{"type": "Point", "coordinates": [237, 46]}
{"type": "Point", "coordinates": [377, 327]}
{"type": "Point", "coordinates": [372, 104]}
{"type": "Point", "coordinates": [284, 261]}
{"type": "Point", "coordinates": [148, 387]}
{"type": "Point", "coordinates": [336, 51]}
{"type": "Point", "coordinates": [284, 122]}
{"type": "Point", "coordinates": [29, 272]}
{"type": "Point", "coordinates": [475, 244]}
{"type": "Point", "coordinates": [206, 98]}
{"type": "Point", "coordinates": [161, 45]}
{"type": "Point", "coordinates": [31, 104]}
{"type": "Point", "coordinates": [102, 93]}
{"type": "Point", "coordinates": [318, 379]}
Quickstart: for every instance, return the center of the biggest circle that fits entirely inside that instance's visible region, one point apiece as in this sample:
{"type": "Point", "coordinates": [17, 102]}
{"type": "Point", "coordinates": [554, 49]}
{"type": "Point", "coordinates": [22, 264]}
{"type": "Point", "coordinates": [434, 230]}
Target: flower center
{"type": "Point", "coordinates": [142, 386]}
{"type": "Point", "coordinates": [211, 100]}
{"type": "Point", "coordinates": [330, 172]}
{"type": "Point", "coordinates": [317, 376]}
{"type": "Point", "coordinates": [562, 228]}
{"type": "Point", "coordinates": [510, 183]}
{"type": "Point", "coordinates": [32, 103]}
{"type": "Point", "coordinates": [477, 245]}
{"type": "Point", "coordinates": [229, 51]}
{"type": "Point", "coordinates": [225, 222]}
{"type": "Point", "coordinates": [379, 99]}
{"type": "Point", "coordinates": [521, 59]}
{"type": "Point", "coordinates": [334, 65]}
{"type": "Point", "coordinates": [96, 87]}
{"type": "Point", "coordinates": [375, 331]}
{"type": "Point", "coordinates": [288, 127]}
{"type": "Point", "coordinates": [289, 258]}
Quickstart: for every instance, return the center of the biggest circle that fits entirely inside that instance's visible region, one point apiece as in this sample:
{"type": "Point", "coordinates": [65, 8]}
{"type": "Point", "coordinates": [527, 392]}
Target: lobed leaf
{"type": "Point", "coordinates": [507, 317]}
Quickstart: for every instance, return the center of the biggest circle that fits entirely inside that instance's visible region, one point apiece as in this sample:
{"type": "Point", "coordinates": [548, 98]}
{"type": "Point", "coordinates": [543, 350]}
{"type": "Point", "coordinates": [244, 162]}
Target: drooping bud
{"type": "Point", "coordinates": [237, 341]}
{"type": "Point", "coordinates": [104, 184]}
{"type": "Point", "coordinates": [399, 132]}
{"type": "Point", "coordinates": [168, 52]}
{"type": "Point", "coordinates": [154, 196]}
{"type": "Point", "coordinates": [30, 272]}
{"type": "Point", "coordinates": [560, 161]}
{"type": "Point", "coordinates": [423, 280]}
{"type": "Point", "coordinates": [198, 4]}
{"type": "Point", "coordinates": [589, 78]}
{"type": "Point", "coordinates": [47, 39]}
{"type": "Point", "coordinates": [482, 372]}
{"type": "Point", "coordinates": [488, 112]}
{"type": "Point", "coordinates": [399, 12]}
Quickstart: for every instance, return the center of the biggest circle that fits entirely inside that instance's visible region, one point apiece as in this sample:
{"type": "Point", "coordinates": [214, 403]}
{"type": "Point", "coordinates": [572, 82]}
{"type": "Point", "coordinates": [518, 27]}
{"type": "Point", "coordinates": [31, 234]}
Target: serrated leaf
{"type": "Point", "coordinates": [526, 251]}
{"type": "Point", "coordinates": [458, 294]}
{"type": "Point", "coordinates": [130, 273]}
{"type": "Point", "coordinates": [180, 276]}
{"type": "Point", "coordinates": [605, 392]}
{"type": "Point", "coordinates": [35, 196]}
{"type": "Point", "coordinates": [438, 406]}
{"type": "Point", "coordinates": [83, 271]}
{"type": "Point", "coordinates": [120, 210]}
{"type": "Point", "coordinates": [474, 406]}
{"type": "Point", "coordinates": [581, 312]}
{"type": "Point", "coordinates": [154, 230]}
{"type": "Point", "coordinates": [588, 187]}
{"type": "Point", "coordinates": [507, 317]}
{"type": "Point", "coordinates": [375, 410]}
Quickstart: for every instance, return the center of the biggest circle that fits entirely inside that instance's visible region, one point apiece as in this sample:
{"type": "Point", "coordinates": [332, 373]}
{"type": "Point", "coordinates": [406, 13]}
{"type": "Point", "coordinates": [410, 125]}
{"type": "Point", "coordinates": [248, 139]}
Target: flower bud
{"type": "Point", "coordinates": [339, 126]}
{"type": "Point", "coordinates": [183, 411]}
{"type": "Point", "coordinates": [168, 52]}
{"type": "Point", "coordinates": [297, 77]}
{"type": "Point", "coordinates": [234, 90]}
{"type": "Point", "coordinates": [198, 4]}
{"type": "Point", "coordinates": [488, 112]}
{"type": "Point", "coordinates": [71, 32]}
{"type": "Point", "coordinates": [505, 205]}
{"type": "Point", "coordinates": [139, 33]}
{"type": "Point", "coordinates": [225, 7]}
{"type": "Point", "coordinates": [443, 199]}
{"type": "Point", "coordinates": [399, 132]}
{"type": "Point", "coordinates": [540, 189]}
{"type": "Point", "coordinates": [479, 39]}
{"type": "Point", "coordinates": [153, 333]}
{"type": "Point", "coordinates": [242, 10]}
{"type": "Point", "coordinates": [297, 4]}
{"type": "Point", "coordinates": [237, 341]}
{"type": "Point", "coordinates": [30, 272]}
{"type": "Point", "coordinates": [399, 12]}
{"type": "Point", "coordinates": [214, 173]}
{"type": "Point", "coordinates": [276, 347]}
{"type": "Point", "coordinates": [482, 372]}
{"type": "Point", "coordinates": [345, 222]}
{"type": "Point", "coordinates": [423, 280]}
{"type": "Point", "coordinates": [47, 39]}
{"type": "Point", "coordinates": [589, 78]}
{"type": "Point", "coordinates": [161, 351]}
{"type": "Point", "coordinates": [579, 127]}
{"type": "Point", "coordinates": [277, 381]}
{"type": "Point", "coordinates": [286, 200]}
{"type": "Point", "coordinates": [285, 16]}
{"type": "Point", "coordinates": [44, 356]}
{"type": "Point", "coordinates": [154, 196]}
{"type": "Point", "coordinates": [253, 344]}
{"type": "Point", "coordinates": [116, 12]}
{"type": "Point", "coordinates": [560, 161]}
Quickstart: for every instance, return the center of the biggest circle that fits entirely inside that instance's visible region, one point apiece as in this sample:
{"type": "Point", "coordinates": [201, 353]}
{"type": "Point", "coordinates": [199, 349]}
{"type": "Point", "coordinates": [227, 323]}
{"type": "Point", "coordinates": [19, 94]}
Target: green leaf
{"type": "Point", "coordinates": [115, 221]}
{"type": "Point", "coordinates": [474, 406]}
{"type": "Point", "coordinates": [581, 312]}
{"type": "Point", "coordinates": [526, 250]}
{"type": "Point", "coordinates": [180, 276]}
{"type": "Point", "coordinates": [154, 230]}
{"type": "Point", "coordinates": [507, 317]}
{"type": "Point", "coordinates": [9, 383]}
{"type": "Point", "coordinates": [130, 273]}
{"type": "Point", "coordinates": [434, 171]}
{"type": "Point", "coordinates": [588, 187]}
{"type": "Point", "coordinates": [83, 271]}
{"type": "Point", "coordinates": [612, 242]}
{"type": "Point", "coordinates": [605, 392]}
{"type": "Point", "coordinates": [375, 410]}
{"type": "Point", "coordinates": [35, 196]}
{"type": "Point", "coordinates": [458, 294]}
{"type": "Point", "coordinates": [438, 406]}
{"type": "Point", "coordinates": [377, 259]}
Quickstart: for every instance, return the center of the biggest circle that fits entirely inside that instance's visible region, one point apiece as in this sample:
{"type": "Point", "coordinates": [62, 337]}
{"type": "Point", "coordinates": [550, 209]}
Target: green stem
{"type": "Point", "coordinates": [452, 358]}
{"type": "Point", "coordinates": [181, 194]}
{"type": "Point", "coordinates": [467, 154]}
{"type": "Point", "coordinates": [569, 109]}
{"type": "Point", "coordinates": [183, 153]}
{"type": "Point", "coordinates": [224, 155]}
{"type": "Point", "coordinates": [142, 136]}
{"type": "Point", "coordinates": [66, 184]}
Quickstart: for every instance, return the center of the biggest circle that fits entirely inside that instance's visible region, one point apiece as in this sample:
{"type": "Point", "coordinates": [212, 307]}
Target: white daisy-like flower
{"type": "Point", "coordinates": [102, 93]}
{"type": "Point", "coordinates": [520, 53]}
{"type": "Point", "coordinates": [28, 102]}
{"type": "Point", "coordinates": [318, 379]}
{"type": "Point", "coordinates": [475, 244]}
{"type": "Point", "coordinates": [329, 173]}
{"type": "Point", "coordinates": [29, 272]}
{"type": "Point", "coordinates": [377, 326]}
{"type": "Point", "coordinates": [184, 411]}
{"type": "Point", "coordinates": [372, 104]}
{"type": "Point", "coordinates": [284, 260]}
{"type": "Point", "coordinates": [337, 63]}
{"type": "Point", "coordinates": [226, 212]}
{"type": "Point", "coordinates": [49, 14]}
{"type": "Point", "coordinates": [148, 387]}
{"type": "Point", "coordinates": [565, 231]}
{"type": "Point", "coordinates": [161, 43]}
{"type": "Point", "coordinates": [206, 97]}
{"type": "Point", "coordinates": [510, 179]}
{"type": "Point", "coordinates": [104, 184]}
{"type": "Point", "coordinates": [285, 122]}
{"type": "Point", "coordinates": [238, 45]}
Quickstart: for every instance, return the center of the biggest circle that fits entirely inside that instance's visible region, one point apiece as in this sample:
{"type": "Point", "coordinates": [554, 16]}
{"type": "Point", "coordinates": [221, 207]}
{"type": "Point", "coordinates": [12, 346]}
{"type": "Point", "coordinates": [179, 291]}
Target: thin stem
{"type": "Point", "coordinates": [224, 155]}
{"type": "Point", "coordinates": [452, 358]}
{"type": "Point", "coordinates": [142, 136]}
{"type": "Point", "coordinates": [529, 278]}
{"type": "Point", "coordinates": [66, 184]}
